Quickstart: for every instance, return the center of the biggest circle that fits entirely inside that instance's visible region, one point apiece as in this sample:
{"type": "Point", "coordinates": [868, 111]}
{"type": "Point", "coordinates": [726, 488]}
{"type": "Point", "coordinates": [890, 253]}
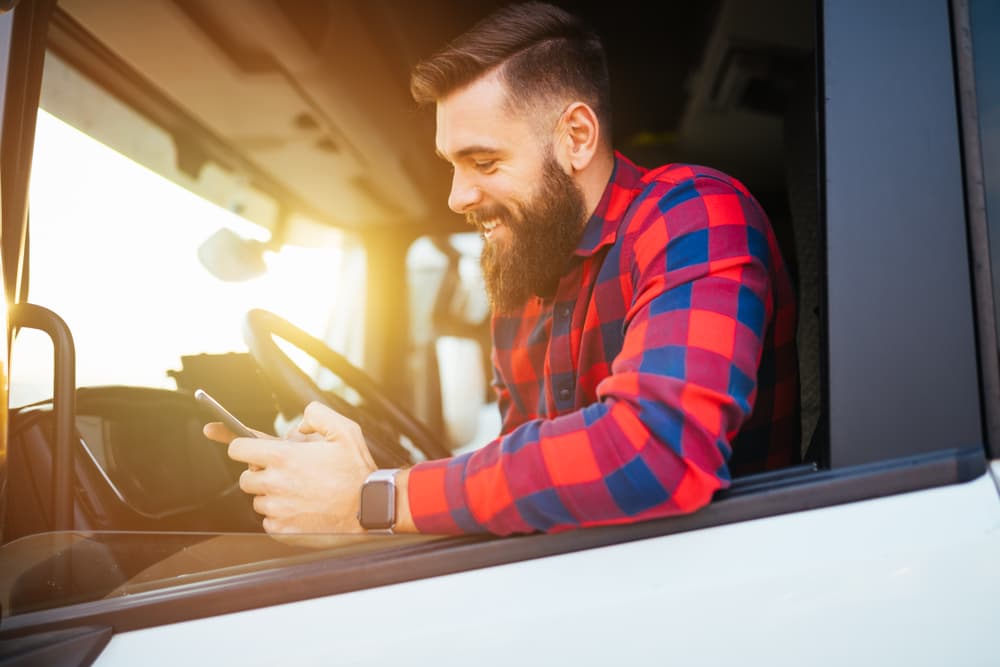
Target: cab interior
{"type": "Point", "coordinates": [292, 121]}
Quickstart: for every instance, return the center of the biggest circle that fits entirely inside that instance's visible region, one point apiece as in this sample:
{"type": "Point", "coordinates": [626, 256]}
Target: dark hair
{"type": "Point", "coordinates": [540, 51]}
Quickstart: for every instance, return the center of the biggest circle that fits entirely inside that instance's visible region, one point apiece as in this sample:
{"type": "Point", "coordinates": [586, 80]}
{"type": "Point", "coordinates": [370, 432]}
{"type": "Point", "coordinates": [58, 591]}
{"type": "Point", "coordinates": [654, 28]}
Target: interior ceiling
{"type": "Point", "coordinates": [315, 93]}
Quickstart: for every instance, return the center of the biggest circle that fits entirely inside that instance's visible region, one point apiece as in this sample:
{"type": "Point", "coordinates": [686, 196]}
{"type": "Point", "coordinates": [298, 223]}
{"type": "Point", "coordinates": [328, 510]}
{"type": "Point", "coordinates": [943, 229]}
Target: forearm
{"type": "Point", "coordinates": [600, 465]}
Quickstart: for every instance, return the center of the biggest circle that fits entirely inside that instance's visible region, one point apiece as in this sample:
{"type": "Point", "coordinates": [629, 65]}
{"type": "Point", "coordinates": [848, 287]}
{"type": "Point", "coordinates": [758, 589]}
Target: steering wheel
{"type": "Point", "coordinates": [380, 418]}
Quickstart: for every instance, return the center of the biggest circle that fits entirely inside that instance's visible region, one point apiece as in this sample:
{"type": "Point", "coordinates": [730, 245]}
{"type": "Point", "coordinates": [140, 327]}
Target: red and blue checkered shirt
{"type": "Point", "coordinates": [665, 360]}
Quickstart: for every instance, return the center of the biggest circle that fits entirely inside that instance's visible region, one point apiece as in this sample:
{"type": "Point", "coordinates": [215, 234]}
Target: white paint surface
{"type": "Point", "coordinates": [911, 579]}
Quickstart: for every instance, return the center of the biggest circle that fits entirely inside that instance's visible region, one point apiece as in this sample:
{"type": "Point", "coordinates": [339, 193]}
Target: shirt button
{"type": "Point", "coordinates": [564, 311]}
{"type": "Point", "coordinates": [564, 393]}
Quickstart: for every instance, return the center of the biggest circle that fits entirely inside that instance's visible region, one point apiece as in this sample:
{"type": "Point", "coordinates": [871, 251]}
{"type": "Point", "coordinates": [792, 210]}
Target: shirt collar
{"type": "Point", "coordinates": [602, 228]}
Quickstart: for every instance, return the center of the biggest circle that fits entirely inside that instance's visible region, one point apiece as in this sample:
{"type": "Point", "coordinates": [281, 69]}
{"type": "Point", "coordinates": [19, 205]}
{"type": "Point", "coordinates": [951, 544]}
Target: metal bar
{"type": "Point", "coordinates": [30, 316]}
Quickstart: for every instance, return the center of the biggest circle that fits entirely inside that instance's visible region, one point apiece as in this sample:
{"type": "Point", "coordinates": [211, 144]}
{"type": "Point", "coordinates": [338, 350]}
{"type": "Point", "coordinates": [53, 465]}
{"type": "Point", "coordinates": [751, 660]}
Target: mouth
{"type": "Point", "coordinates": [489, 221]}
{"type": "Point", "coordinates": [489, 226]}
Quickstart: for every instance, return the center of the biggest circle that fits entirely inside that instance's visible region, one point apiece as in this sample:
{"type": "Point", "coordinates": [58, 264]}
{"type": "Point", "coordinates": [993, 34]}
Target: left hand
{"type": "Point", "coordinates": [309, 482]}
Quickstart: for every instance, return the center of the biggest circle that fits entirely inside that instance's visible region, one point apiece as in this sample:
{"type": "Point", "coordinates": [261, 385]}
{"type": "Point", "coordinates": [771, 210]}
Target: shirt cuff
{"type": "Point", "coordinates": [436, 494]}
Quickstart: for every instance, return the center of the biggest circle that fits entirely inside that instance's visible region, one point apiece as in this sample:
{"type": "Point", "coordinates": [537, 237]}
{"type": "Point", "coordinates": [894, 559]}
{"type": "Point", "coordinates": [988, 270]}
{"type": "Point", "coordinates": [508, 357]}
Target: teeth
{"type": "Point", "coordinates": [489, 226]}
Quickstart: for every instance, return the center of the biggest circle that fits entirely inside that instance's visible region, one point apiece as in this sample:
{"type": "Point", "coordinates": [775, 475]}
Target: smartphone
{"type": "Point", "coordinates": [225, 416]}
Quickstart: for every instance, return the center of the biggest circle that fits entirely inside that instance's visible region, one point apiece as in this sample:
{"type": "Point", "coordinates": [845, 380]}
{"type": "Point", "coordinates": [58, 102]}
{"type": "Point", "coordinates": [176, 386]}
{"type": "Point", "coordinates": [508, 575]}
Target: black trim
{"type": "Point", "coordinates": [754, 497]}
{"type": "Point", "coordinates": [979, 240]}
{"type": "Point", "coordinates": [819, 448]}
{"type": "Point", "coordinates": [22, 80]}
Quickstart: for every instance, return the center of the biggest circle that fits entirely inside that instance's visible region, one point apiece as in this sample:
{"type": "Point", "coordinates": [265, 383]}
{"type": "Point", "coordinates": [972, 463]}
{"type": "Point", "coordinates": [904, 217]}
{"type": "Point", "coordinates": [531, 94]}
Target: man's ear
{"type": "Point", "coordinates": [578, 135]}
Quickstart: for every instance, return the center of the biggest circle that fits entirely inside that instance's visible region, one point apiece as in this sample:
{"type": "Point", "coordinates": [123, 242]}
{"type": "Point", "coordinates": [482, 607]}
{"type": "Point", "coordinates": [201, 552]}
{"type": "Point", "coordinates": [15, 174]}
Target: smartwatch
{"type": "Point", "coordinates": [377, 513]}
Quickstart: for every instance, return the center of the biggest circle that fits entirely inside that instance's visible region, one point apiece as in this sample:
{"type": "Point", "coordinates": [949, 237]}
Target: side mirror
{"type": "Point", "coordinates": [232, 258]}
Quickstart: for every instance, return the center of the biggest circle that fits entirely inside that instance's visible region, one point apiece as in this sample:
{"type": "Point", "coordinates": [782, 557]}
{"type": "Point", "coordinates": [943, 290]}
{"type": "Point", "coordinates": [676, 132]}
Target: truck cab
{"type": "Point", "coordinates": [242, 197]}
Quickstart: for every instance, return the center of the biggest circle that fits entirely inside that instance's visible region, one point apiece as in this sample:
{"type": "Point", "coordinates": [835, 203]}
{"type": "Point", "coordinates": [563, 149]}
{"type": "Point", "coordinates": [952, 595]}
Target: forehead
{"type": "Point", "coordinates": [477, 116]}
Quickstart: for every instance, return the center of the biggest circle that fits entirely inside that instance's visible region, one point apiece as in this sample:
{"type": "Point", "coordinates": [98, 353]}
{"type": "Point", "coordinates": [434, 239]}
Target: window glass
{"type": "Point", "coordinates": [449, 320]}
{"type": "Point", "coordinates": [115, 253]}
{"type": "Point", "coordinates": [985, 15]}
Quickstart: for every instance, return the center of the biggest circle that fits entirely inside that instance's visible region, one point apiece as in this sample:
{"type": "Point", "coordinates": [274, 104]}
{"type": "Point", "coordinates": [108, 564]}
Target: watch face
{"type": "Point", "coordinates": [378, 505]}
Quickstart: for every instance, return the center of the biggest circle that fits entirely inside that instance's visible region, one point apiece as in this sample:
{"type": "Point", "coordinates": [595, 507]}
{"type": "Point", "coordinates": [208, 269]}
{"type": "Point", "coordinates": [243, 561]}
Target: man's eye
{"type": "Point", "coordinates": [485, 165]}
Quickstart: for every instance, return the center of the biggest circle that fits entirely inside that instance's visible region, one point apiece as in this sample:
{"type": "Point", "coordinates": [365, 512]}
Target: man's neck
{"type": "Point", "coordinates": [594, 179]}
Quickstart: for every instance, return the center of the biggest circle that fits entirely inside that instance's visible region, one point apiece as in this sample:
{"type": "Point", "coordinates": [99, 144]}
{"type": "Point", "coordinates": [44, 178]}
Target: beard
{"type": "Point", "coordinates": [544, 232]}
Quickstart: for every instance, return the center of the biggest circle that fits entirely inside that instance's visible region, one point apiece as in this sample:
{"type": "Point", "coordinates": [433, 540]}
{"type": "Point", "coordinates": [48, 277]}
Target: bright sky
{"type": "Point", "coordinates": [114, 253]}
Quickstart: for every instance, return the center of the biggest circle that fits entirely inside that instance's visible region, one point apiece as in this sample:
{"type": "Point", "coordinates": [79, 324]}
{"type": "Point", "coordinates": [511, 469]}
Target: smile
{"type": "Point", "coordinates": [488, 226]}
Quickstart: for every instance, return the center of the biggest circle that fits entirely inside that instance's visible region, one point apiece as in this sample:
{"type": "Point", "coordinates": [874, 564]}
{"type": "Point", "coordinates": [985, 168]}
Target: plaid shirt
{"type": "Point", "coordinates": [665, 359]}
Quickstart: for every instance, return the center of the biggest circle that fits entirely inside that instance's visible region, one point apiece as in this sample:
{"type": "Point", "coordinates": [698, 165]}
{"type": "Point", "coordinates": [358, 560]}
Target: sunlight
{"type": "Point", "coordinates": [114, 252]}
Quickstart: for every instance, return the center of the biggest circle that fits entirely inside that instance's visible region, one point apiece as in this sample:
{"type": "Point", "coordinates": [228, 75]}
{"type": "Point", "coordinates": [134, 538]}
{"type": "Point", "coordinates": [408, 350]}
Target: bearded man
{"type": "Point", "coordinates": [643, 320]}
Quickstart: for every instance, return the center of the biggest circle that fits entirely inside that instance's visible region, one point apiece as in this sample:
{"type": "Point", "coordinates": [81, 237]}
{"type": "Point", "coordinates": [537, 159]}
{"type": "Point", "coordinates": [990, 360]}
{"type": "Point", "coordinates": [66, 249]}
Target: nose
{"type": "Point", "coordinates": [464, 193]}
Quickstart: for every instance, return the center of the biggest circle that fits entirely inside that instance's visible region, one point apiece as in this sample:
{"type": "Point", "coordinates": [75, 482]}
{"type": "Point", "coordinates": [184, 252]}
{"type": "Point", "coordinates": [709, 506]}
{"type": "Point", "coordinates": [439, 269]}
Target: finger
{"type": "Point", "coordinates": [295, 435]}
{"type": "Point", "coordinates": [276, 508]}
{"type": "Point", "coordinates": [280, 527]}
{"type": "Point", "coordinates": [322, 419]}
{"type": "Point", "coordinates": [262, 505]}
{"type": "Point", "coordinates": [256, 451]}
{"type": "Point", "coordinates": [218, 432]}
{"type": "Point", "coordinates": [255, 483]}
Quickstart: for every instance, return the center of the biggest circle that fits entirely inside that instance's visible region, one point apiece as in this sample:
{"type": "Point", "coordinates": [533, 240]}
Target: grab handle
{"type": "Point", "coordinates": [30, 316]}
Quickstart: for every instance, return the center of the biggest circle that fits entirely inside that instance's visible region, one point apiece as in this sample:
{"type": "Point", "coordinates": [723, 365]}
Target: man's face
{"type": "Point", "coordinates": [508, 184]}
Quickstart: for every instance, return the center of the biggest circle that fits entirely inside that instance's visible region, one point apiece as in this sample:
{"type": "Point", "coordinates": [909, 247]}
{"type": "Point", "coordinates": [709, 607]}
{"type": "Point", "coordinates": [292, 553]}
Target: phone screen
{"type": "Point", "coordinates": [225, 416]}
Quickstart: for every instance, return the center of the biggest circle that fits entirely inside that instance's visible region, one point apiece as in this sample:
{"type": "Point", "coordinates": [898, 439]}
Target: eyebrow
{"type": "Point", "coordinates": [468, 150]}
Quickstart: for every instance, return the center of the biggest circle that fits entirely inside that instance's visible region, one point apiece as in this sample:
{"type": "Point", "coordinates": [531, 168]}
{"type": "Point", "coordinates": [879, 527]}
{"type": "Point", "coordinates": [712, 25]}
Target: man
{"type": "Point", "coordinates": [642, 320]}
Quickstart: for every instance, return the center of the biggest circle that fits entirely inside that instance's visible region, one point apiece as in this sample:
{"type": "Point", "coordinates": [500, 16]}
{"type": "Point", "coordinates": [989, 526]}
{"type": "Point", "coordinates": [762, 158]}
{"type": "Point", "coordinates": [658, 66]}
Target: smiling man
{"type": "Point", "coordinates": [643, 320]}
{"type": "Point", "coordinates": [508, 183]}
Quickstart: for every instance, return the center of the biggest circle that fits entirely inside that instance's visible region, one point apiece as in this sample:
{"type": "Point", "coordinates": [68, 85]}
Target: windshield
{"type": "Point", "coordinates": [114, 251]}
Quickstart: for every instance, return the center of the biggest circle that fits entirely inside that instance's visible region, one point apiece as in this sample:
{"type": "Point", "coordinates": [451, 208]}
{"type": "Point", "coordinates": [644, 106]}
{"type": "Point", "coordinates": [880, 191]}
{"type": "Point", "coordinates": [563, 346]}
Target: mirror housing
{"type": "Point", "coordinates": [232, 258]}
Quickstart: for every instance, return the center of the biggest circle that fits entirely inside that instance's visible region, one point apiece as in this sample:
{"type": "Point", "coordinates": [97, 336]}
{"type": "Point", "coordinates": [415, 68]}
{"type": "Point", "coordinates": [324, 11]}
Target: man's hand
{"type": "Point", "coordinates": [309, 482]}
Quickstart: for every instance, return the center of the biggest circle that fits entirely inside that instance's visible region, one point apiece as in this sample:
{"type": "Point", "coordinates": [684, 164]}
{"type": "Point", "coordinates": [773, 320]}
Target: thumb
{"type": "Point", "coordinates": [324, 420]}
{"type": "Point", "coordinates": [218, 432]}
